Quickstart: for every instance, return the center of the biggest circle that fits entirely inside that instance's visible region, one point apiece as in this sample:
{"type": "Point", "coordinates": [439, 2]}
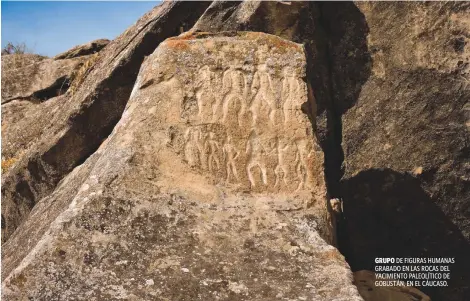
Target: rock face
{"type": "Point", "coordinates": [80, 122]}
{"type": "Point", "coordinates": [85, 49]}
{"type": "Point", "coordinates": [406, 136]}
{"type": "Point", "coordinates": [210, 187]}
{"type": "Point", "coordinates": [248, 111]}
{"type": "Point", "coordinates": [38, 79]}
{"type": "Point", "coordinates": [284, 19]}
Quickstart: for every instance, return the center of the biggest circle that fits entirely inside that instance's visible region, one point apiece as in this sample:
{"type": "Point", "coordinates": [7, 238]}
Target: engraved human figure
{"type": "Point", "coordinates": [233, 89]}
{"type": "Point", "coordinates": [212, 147]}
{"type": "Point", "coordinates": [264, 99]}
{"type": "Point", "coordinates": [281, 167]}
{"type": "Point", "coordinates": [256, 158]}
{"type": "Point", "coordinates": [290, 93]}
{"type": "Point", "coordinates": [303, 154]}
{"type": "Point", "coordinates": [191, 149]}
{"type": "Point", "coordinates": [205, 83]}
{"type": "Point", "coordinates": [203, 153]}
{"type": "Point", "coordinates": [230, 155]}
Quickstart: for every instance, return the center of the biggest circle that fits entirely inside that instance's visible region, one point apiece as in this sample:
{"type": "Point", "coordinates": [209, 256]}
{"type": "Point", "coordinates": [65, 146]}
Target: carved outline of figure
{"type": "Point", "coordinates": [213, 146]}
{"type": "Point", "coordinates": [281, 166]}
{"type": "Point", "coordinates": [290, 92]}
{"type": "Point", "coordinates": [204, 93]}
{"type": "Point", "coordinates": [256, 158]}
{"type": "Point", "coordinates": [191, 150]}
{"type": "Point", "coordinates": [262, 89]}
{"type": "Point", "coordinates": [303, 152]}
{"type": "Point", "coordinates": [230, 155]}
{"type": "Point", "coordinates": [203, 156]}
{"type": "Point", "coordinates": [234, 89]}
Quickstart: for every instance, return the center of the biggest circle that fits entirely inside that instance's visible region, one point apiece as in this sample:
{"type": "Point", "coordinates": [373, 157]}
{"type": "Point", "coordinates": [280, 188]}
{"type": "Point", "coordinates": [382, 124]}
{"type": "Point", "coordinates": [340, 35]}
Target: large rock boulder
{"type": "Point", "coordinates": [35, 79]}
{"type": "Point", "coordinates": [211, 186]}
{"type": "Point", "coordinates": [80, 122]}
{"type": "Point", "coordinates": [84, 49]}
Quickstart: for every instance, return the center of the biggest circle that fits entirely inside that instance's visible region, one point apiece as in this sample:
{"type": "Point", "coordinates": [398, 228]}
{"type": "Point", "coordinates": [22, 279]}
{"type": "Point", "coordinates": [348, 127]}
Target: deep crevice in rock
{"type": "Point", "coordinates": [341, 30]}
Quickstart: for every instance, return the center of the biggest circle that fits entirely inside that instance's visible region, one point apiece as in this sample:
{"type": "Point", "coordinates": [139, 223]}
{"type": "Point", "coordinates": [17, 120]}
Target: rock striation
{"type": "Point", "coordinates": [210, 187]}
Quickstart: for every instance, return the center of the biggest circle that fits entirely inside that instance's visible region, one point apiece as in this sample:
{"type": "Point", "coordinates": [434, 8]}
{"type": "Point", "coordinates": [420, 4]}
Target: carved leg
{"type": "Point", "coordinates": [250, 175]}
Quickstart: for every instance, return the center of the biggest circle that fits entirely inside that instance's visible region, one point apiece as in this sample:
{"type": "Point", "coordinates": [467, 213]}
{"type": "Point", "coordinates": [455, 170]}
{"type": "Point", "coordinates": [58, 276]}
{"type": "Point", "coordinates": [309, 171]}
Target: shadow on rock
{"type": "Point", "coordinates": [388, 214]}
{"type": "Point", "coordinates": [343, 50]}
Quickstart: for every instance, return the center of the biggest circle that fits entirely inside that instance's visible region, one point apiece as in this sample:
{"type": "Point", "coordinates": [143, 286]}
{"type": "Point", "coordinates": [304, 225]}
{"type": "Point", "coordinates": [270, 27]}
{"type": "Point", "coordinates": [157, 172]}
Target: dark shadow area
{"type": "Point", "coordinates": [388, 214]}
{"type": "Point", "coordinates": [343, 65]}
{"type": "Point", "coordinates": [59, 87]}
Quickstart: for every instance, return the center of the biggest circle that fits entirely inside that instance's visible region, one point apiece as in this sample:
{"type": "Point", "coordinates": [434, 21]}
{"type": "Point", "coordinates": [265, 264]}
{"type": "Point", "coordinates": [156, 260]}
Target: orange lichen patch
{"type": "Point", "coordinates": [191, 35]}
{"type": "Point", "coordinates": [177, 44]}
{"type": "Point", "coordinates": [274, 41]}
{"type": "Point", "coordinates": [7, 163]}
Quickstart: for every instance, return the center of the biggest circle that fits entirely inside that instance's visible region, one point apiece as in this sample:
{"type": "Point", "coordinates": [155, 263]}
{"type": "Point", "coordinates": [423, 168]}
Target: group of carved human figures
{"type": "Point", "coordinates": [203, 149]}
{"type": "Point", "coordinates": [235, 96]}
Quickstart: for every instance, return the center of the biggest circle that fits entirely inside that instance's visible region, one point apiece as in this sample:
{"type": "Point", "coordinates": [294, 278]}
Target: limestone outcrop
{"type": "Point", "coordinates": [211, 186]}
{"type": "Point", "coordinates": [79, 123]}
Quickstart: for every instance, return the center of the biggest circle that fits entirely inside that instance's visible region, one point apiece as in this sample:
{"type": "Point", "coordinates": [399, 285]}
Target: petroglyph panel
{"type": "Point", "coordinates": [242, 116]}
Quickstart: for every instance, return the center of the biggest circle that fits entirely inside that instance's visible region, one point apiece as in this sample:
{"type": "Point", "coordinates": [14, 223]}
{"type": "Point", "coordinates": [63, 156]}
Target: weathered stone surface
{"type": "Point", "coordinates": [24, 122]}
{"type": "Point", "coordinates": [84, 49]}
{"type": "Point", "coordinates": [249, 111]}
{"type": "Point", "coordinates": [37, 79]}
{"type": "Point", "coordinates": [365, 282]}
{"type": "Point", "coordinates": [283, 19]}
{"type": "Point", "coordinates": [82, 120]}
{"type": "Point", "coordinates": [187, 198]}
{"type": "Point", "coordinates": [396, 84]}
{"type": "Point", "coordinates": [406, 136]}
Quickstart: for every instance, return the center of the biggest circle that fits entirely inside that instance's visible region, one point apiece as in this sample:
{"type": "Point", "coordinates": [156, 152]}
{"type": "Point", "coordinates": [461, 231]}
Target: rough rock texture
{"type": "Point", "coordinates": [210, 187]}
{"type": "Point", "coordinates": [83, 120]}
{"type": "Point", "coordinates": [297, 21]}
{"type": "Point", "coordinates": [395, 126]}
{"type": "Point", "coordinates": [405, 131]}
{"type": "Point", "coordinates": [365, 282]}
{"type": "Point", "coordinates": [284, 19]}
{"type": "Point", "coordinates": [84, 49]}
{"type": "Point", "coordinates": [33, 77]}
{"type": "Point", "coordinates": [24, 122]}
